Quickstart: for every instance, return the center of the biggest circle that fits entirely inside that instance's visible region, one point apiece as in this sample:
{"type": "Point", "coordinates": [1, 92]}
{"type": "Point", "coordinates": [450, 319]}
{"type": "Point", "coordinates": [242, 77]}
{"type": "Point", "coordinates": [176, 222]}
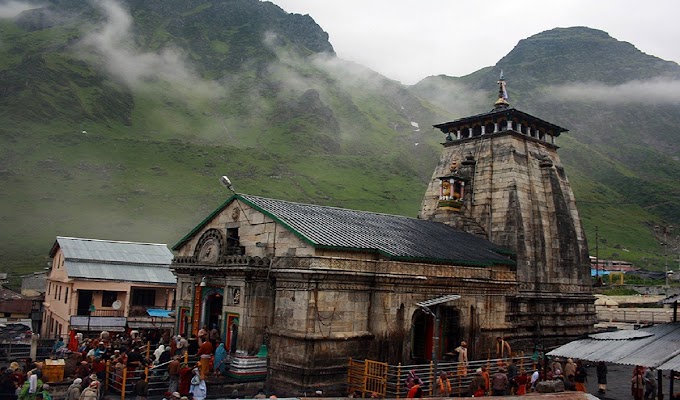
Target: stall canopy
{"type": "Point", "coordinates": [158, 312]}
{"type": "Point", "coordinates": [657, 346]}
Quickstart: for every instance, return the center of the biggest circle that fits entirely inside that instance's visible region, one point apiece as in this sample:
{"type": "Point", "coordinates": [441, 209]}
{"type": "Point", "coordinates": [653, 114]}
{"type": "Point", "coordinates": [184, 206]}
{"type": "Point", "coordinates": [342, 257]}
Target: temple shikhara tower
{"type": "Point", "coordinates": [500, 177]}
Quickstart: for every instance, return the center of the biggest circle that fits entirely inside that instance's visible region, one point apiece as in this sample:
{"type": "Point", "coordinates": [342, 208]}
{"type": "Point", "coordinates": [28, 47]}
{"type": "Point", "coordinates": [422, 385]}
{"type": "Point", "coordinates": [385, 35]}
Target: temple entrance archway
{"type": "Point", "coordinates": [211, 307]}
{"type": "Point", "coordinates": [422, 329]}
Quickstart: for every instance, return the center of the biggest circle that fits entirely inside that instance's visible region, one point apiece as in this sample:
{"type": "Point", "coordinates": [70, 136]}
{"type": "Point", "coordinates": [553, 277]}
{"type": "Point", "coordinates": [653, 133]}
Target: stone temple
{"type": "Point", "coordinates": [497, 250]}
{"type": "Point", "coordinates": [500, 177]}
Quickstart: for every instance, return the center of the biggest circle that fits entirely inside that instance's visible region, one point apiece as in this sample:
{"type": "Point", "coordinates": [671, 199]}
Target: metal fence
{"type": "Point", "coordinates": [361, 379]}
{"type": "Point", "coordinates": [122, 380]}
{"type": "Point", "coordinates": [10, 351]}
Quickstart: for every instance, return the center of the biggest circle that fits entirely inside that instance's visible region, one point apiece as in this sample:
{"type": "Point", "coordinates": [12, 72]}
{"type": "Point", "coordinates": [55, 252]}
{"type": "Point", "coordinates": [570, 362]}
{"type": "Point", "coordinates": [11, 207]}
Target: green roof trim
{"type": "Point", "coordinates": [201, 224]}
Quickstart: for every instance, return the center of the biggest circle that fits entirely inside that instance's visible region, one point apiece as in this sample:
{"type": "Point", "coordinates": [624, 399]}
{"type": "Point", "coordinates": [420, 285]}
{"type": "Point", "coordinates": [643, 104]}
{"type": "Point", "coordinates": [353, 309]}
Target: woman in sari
{"type": "Point", "coordinates": [220, 359]}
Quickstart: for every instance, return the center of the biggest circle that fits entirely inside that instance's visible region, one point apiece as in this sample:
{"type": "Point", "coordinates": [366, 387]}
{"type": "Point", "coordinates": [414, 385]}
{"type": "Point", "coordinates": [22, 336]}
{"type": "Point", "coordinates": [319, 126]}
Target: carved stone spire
{"type": "Point", "coordinates": [502, 101]}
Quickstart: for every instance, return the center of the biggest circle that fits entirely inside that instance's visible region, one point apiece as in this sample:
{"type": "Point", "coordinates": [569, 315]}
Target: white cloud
{"type": "Point", "coordinates": [409, 40]}
{"type": "Point", "coordinates": [10, 9]}
{"type": "Point", "coordinates": [114, 43]}
{"type": "Point", "coordinates": [654, 91]}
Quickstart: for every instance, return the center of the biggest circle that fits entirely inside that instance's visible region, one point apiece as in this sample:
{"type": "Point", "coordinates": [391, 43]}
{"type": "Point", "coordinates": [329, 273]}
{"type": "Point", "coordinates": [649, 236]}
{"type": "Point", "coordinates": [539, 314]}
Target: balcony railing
{"type": "Point", "coordinates": [105, 313]}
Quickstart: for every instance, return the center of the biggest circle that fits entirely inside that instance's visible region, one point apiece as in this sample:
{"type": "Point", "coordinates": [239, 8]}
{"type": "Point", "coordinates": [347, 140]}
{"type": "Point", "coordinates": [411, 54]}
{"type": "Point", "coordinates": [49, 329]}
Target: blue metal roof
{"type": "Point", "coordinates": [113, 251]}
{"type": "Point", "coordinates": [154, 274]}
{"type": "Point", "coordinates": [111, 260]}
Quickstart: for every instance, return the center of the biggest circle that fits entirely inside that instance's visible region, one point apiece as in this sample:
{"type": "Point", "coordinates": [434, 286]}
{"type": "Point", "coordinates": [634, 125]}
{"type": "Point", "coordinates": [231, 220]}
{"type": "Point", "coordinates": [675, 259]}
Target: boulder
{"type": "Point", "coordinates": [550, 386]}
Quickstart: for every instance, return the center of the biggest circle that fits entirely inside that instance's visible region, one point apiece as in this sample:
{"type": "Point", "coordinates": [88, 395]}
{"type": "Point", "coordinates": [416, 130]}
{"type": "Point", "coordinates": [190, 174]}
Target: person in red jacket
{"type": "Point", "coordinates": [185, 375]}
{"type": "Point", "coordinates": [416, 392]}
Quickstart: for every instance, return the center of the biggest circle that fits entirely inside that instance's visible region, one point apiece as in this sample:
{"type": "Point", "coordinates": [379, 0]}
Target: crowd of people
{"type": "Point", "coordinates": [169, 361]}
{"type": "Point", "coordinates": [129, 352]}
{"type": "Point", "coordinates": [23, 382]}
{"type": "Point", "coordinates": [506, 377]}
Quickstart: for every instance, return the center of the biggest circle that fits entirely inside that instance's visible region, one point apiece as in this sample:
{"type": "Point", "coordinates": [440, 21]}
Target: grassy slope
{"type": "Point", "coordinates": [147, 167]}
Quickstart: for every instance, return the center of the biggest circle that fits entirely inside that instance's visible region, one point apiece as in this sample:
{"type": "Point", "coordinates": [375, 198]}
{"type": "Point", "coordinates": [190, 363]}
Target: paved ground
{"type": "Point", "coordinates": [618, 383]}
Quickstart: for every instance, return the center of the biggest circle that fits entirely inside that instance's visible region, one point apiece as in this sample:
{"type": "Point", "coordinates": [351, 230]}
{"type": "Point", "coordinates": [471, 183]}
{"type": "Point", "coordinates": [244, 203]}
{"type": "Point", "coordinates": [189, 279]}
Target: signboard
{"type": "Point", "coordinates": [82, 322]}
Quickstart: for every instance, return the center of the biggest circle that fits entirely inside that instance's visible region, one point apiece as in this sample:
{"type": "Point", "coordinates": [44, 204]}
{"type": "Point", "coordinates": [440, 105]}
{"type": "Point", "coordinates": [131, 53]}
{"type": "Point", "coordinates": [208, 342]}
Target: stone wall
{"type": "Point", "coordinates": [520, 197]}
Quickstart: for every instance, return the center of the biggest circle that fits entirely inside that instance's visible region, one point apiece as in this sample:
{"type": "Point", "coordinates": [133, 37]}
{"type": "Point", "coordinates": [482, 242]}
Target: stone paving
{"type": "Point", "coordinates": [618, 383]}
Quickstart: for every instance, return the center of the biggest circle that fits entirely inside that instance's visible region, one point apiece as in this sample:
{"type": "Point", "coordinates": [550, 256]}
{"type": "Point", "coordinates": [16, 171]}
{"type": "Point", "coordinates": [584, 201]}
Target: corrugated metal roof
{"type": "Point", "coordinates": [114, 251]}
{"type": "Point", "coordinates": [395, 237]}
{"type": "Point", "coordinates": [672, 364]}
{"type": "Point", "coordinates": [671, 299]}
{"type": "Point", "coordinates": [159, 274]}
{"type": "Point", "coordinates": [656, 346]}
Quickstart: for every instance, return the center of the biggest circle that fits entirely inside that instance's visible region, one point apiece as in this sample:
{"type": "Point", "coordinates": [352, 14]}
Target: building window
{"type": "Point", "coordinates": [108, 298]}
{"type": "Point", "coordinates": [234, 247]}
{"type": "Point", "coordinates": [143, 297]}
{"type": "Point", "coordinates": [66, 296]}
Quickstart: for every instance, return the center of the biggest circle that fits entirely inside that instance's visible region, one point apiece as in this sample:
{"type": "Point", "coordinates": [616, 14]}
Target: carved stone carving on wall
{"type": "Point", "coordinates": [209, 247]}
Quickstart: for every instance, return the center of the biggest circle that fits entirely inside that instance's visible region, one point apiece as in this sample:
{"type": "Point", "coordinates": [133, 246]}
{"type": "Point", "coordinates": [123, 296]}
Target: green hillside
{"type": "Point", "coordinates": [116, 123]}
{"type": "Point", "coordinates": [119, 128]}
{"type": "Point", "coordinates": [620, 153]}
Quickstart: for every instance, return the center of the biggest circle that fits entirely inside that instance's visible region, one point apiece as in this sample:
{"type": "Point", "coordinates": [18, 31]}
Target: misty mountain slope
{"type": "Point", "coordinates": [623, 112]}
{"type": "Point", "coordinates": [116, 121]}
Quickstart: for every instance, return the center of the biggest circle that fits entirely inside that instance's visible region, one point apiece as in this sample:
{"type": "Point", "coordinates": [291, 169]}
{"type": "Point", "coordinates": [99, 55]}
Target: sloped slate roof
{"type": "Point", "coordinates": [116, 260]}
{"type": "Point", "coordinates": [657, 346]}
{"type": "Point", "coordinates": [510, 112]}
{"type": "Point", "coordinates": [393, 236]}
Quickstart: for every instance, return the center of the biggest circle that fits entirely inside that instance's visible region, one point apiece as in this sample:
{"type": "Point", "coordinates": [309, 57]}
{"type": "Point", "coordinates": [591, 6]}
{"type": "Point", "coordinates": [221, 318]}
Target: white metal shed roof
{"type": "Point", "coordinates": [657, 346]}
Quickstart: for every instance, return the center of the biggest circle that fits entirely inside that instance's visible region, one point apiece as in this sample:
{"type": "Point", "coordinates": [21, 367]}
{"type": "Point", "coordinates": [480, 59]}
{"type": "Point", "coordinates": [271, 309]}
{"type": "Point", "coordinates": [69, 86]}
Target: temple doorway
{"type": "Point", "coordinates": [422, 330]}
{"type": "Point", "coordinates": [211, 308]}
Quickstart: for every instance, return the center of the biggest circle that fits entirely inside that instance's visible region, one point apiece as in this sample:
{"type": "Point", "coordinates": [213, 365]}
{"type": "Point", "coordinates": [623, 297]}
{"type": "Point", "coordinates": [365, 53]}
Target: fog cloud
{"type": "Point", "coordinates": [115, 44]}
{"type": "Point", "coordinates": [10, 9]}
{"type": "Point", "coordinates": [654, 91]}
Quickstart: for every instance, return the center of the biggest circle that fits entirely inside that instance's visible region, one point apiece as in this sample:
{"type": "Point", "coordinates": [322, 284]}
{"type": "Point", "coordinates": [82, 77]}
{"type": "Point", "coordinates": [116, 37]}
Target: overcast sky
{"type": "Point", "coordinates": [408, 40]}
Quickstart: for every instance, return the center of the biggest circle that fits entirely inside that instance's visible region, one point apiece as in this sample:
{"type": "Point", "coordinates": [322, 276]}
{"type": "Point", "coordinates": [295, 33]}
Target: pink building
{"type": "Point", "coordinates": [95, 285]}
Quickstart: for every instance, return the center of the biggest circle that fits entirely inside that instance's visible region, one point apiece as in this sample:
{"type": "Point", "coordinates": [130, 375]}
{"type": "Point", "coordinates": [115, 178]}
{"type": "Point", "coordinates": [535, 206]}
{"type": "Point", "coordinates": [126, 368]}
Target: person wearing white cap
{"type": "Point", "coordinates": [478, 384]}
{"type": "Point", "coordinates": [90, 392]}
{"type": "Point", "coordinates": [73, 392]}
